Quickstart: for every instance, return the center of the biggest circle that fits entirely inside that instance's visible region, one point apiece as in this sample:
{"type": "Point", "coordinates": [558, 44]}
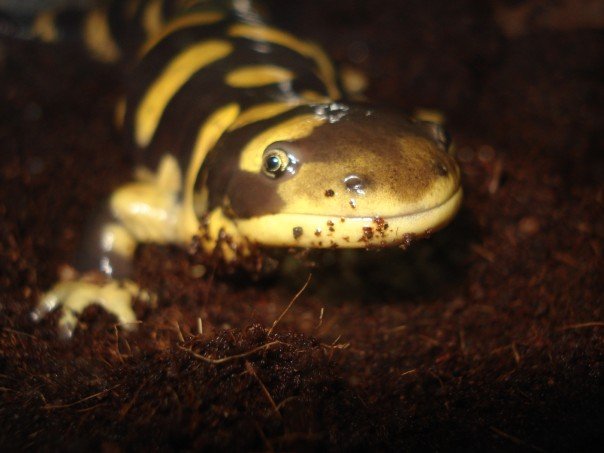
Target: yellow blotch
{"type": "Point", "coordinates": [217, 222]}
{"type": "Point", "coordinates": [132, 8]}
{"type": "Point", "coordinates": [188, 20]}
{"type": "Point", "coordinates": [354, 80]}
{"type": "Point", "coordinates": [209, 133]}
{"type": "Point", "coordinates": [173, 77]}
{"type": "Point", "coordinates": [307, 49]}
{"type": "Point", "coordinates": [257, 76]}
{"type": "Point", "coordinates": [120, 112]}
{"type": "Point", "coordinates": [44, 27]}
{"type": "Point", "coordinates": [153, 18]}
{"type": "Point", "coordinates": [262, 112]}
{"type": "Point", "coordinates": [432, 115]}
{"type": "Point", "coordinates": [292, 129]}
{"type": "Point", "coordinates": [98, 39]}
{"type": "Point", "coordinates": [314, 97]}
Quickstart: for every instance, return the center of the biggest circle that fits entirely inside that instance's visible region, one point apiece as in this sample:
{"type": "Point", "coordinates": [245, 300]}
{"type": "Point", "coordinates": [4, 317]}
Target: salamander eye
{"type": "Point", "coordinates": [276, 162]}
{"type": "Point", "coordinates": [273, 163]}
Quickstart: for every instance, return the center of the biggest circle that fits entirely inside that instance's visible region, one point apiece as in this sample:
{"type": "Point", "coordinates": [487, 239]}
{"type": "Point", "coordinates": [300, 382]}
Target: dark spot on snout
{"type": "Point", "coordinates": [298, 231]}
{"type": "Point", "coordinates": [329, 193]}
{"type": "Point", "coordinates": [356, 184]}
{"type": "Point", "coordinates": [441, 169]}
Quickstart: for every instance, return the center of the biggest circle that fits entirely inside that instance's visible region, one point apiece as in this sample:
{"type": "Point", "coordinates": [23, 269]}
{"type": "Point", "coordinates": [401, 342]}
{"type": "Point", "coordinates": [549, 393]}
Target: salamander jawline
{"type": "Point", "coordinates": [298, 230]}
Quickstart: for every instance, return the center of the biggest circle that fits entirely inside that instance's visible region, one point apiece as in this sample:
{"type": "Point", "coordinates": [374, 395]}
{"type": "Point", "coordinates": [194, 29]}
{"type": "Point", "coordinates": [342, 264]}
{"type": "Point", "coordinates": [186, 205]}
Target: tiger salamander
{"type": "Point", "coordinates": [243, 137]}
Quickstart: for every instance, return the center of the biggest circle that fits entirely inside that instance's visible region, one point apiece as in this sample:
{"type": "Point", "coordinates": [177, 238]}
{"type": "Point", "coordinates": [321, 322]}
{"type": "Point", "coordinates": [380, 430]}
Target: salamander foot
{"type": "Point", "coordinates": [73, 297]}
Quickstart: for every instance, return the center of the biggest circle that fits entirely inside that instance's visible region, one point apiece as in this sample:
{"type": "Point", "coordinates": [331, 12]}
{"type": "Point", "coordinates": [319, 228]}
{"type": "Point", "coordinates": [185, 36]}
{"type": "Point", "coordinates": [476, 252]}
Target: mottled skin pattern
{"type": "Point", "coordinates": [243, 136]}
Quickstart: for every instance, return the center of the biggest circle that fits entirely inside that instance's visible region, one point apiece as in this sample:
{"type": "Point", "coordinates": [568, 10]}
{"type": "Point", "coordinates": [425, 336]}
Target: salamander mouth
{"type": "Point", "coordinates": [321, 231]}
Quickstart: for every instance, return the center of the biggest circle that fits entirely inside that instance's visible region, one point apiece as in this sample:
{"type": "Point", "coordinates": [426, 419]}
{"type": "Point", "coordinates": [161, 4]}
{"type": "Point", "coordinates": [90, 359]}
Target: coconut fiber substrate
{"type": "Point", "coordinates": [487, 336]}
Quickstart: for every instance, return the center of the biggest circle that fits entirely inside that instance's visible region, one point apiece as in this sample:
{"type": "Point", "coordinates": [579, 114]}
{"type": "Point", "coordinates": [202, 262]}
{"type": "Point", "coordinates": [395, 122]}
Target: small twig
{"type": "Point", "coordinates": [395, 329]}
{"type": "Point", "coordinates": [298, 294]}
{"type": "Point", "coordinates": [567, 259]}
{"type": "Point", "coordinates": [583, 325]}
{"type": "Point", "coordinates": [126, 407]}
{"type": "Point", "coordinates": [287, 400]}
{"type": "Point", "coordinates": [181, 338]}
{"type": "Point", "coordinates": [320, 318]}
{"type": "Point", "coordinates": [496, 178]}
{"type": "Point", "coordinates": [483, 252]}
{"type": "Point", "coordinates": [250, 369]}
{"type": "Point", "coordinates": [199, 326]}
{"type": "Point", "coordinates": [336, 346]}
{"type": "Point", "coordinates": [462, 342]}
{"type": "Point", "coordinates": [232, 357]}
{"type": "Point", "coordinates": [62, 406]}
{"type": "Point", "coordinates": [326, 326]}
{"type": "Point", "coordinates": [267, 444]}
{"type": "Point", "coordinates": [333, 346]}
{"type": "Point", "coordinates": [117, 343]}
{"type": "Point", "coordinates": [514, 439]}
{"type": "Point", "coordinates": [17, 332]}
{"type": "Point", "coordinates": [429, 340]}
{"type": "Point", "coordinates": [91, 408]}
{"type": "Point", "coordinates": [405, 373]}
{"type": "Point", "coordinates": [515, 353]}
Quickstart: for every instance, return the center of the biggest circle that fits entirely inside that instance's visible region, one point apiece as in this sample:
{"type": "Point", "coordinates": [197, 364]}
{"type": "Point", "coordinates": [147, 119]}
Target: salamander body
{"type": "Point", "coordinates": [243, 137]}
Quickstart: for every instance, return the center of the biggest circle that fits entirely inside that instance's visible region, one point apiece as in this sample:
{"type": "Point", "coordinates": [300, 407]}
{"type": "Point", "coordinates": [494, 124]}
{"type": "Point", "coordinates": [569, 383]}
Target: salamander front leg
{"type": "Point", "coordinates": [143, 211]}
{"type": "Point", "coordinates": [74, 296]}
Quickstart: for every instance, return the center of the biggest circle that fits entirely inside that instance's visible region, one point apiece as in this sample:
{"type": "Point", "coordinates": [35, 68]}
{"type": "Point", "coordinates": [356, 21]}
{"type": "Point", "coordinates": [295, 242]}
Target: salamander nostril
{"type": "Point", "coordinates": [354, 184]}
{"type": "Point", "coordinates": [441, 169]}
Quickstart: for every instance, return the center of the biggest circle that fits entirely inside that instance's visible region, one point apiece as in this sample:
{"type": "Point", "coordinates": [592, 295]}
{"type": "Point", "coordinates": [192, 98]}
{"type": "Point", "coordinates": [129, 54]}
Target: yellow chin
{"type": "Point", "coordinates": [305, 230]}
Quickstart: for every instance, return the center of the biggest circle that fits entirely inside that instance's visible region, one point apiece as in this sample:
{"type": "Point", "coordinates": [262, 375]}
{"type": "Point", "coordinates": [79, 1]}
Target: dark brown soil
{"type": "Point", "coordinates": [487, 336]}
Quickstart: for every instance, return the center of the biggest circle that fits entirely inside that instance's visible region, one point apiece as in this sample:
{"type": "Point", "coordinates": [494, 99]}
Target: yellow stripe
{"type": "Point", "coordinates": [309, 50]}
{"type": "Point", "coordinates": [261, 112]}
{"type": "Point", "coordinates": [44, 27]}
{"type": "Point", "coordinates": [257, 76]}
{"type": "Point", "coordinates": [98, 39]}
{"type": "Point", "coordinates": [208, 135]}
{"type": "Point", "coordinates": [173, 77]}
{"type": "Point", "coordinates": [153, 18]}
{"type": "Point", "coordinates": [292, 129]}
{"type": "Point", "coordinates": [188, 20]}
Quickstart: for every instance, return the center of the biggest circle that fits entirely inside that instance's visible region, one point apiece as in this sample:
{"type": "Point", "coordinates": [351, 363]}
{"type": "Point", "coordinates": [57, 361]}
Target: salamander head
{"type": "Point", "coordinates": [343, 176]}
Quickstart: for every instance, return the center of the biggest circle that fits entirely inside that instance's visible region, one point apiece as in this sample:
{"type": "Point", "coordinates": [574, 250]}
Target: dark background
{"type": "Point", "coordinates": [487, 336]}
